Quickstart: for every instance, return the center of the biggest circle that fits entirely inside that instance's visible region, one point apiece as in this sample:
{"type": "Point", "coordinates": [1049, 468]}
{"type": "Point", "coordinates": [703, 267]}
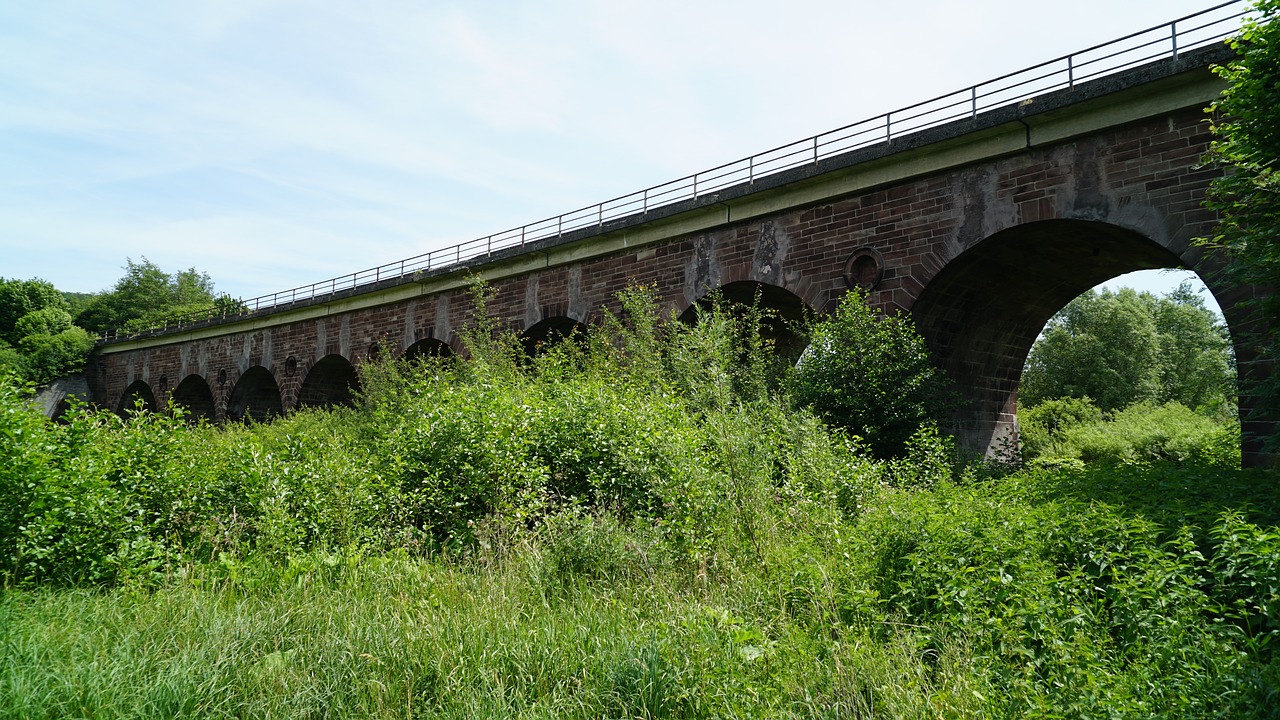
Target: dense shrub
{"type": "Point", "coordinates": [1042, 428]}
{"type": "Point", "coordinates": [870, 373]}
{"type": "Point", "coordinates": [1073, 430]}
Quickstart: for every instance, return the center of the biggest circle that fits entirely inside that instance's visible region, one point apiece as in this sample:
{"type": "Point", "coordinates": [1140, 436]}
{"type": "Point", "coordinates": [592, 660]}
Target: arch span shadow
{"type": "Point", "coordinates": [194, 395]}
{"type": "Point", "coordinates": [982, 312]}
{"type": "Point", "coordinates": [331, 381]}
{"type": "Point", "coordinates": [129, 399]}
{"type": "Point", "coordinates": [551, 331]}
{"type": "Point", "coordinates": [256, 396]}
{"type": "Point", "coordinates": [785, 312]}
{"type": "Point", "coordinates": [427, 348]}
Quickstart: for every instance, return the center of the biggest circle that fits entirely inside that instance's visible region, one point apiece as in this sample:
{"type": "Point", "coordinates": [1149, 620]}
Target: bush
{"type": "Point", "coordinates": [1041, 429]}
{"type": "Point", "coordinates": [870, 374]}
{"type": "Point", "coordinates": [1141, 434]}
{"type": "Point", "coordinates": [46, 357]}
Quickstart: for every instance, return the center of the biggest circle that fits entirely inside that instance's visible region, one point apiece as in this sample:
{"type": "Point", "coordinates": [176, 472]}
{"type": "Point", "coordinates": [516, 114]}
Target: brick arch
{"type": "Point", "coordinates": [195, 396]}
{"type": "Point", "coordinates": [981, 313]}
{"type": "Point", "coordinates": [427, 347]}
{"type": "Point", "coordinates": [550, 331]}
{"type": "Point", "coordinates": [332, 380]}
{"type": "Point", "coordinates": [790, 309]}
{"type": "Point", "coordinates": [137, 390]}
{"type": "Point", "coordinates": [256, 395]}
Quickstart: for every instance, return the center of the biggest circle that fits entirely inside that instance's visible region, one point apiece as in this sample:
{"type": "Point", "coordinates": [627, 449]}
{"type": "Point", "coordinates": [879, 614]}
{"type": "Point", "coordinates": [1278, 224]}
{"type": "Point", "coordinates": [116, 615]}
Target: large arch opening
{"type": "Point", "coordinates": [331, 381]}
{"type": "Point", "coordinates": [551, 331]}
{"type": "Point", "coordinates": [256, 396]}
{"type": "Point", "coordinates": [427, 348]}
{"type": "Point", "coordinates": [194, 395]}
{"type": "Point", "coordinates": [785, 312]}
{"type": "Point", "coordinates": [137, 391]}
{"type": "Point", "coordinates": [982, 312]}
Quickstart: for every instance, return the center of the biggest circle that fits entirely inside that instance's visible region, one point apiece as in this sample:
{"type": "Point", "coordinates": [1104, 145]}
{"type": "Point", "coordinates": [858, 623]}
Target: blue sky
{"type": "Point", "coordinates": [274, 143]}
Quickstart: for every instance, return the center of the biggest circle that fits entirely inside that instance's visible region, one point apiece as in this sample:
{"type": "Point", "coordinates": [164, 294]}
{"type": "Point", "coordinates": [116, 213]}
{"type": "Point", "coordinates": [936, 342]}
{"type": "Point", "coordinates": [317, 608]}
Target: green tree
{"type": "Point", "coordinates": [870, 373]}
{"type": "Point", "coordinates": [1126, 347]}
{"type": "Point", "coordinates": [47, 321]}
{"type": "Point", "coordinates": [48, 356]}
{"type": "Point", "coordinates": [1197, 363]}
{"type": "Point", "coordinates": [1247, 196]}
{"type": "Point", "coordinates": [21, 297]}
{"type": "Point", "coordinates": [147, 294]}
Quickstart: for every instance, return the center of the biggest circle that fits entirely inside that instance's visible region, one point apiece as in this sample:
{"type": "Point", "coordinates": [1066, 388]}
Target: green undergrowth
{"type": "Point", "coordinates": [1140, 593]}
{"type": "Point", "coordinates": [1073, 432]}
{"type": "Point", "coordinates": [635, 525]}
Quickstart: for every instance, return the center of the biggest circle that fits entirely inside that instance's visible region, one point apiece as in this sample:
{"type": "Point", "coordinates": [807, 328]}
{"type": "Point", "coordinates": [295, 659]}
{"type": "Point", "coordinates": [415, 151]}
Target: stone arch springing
{"type": "Point", "coordinates": [195, 396]}
{"type": "Point", "coordinates": [427, 348]}
{"type": "Point", "coordinates": [137, 390]}
{"type": "Point", "coordinates": [256, 396]}
{"type": "Point", "coordinates": [550, 331]}
{"type": "Point", "coordinates": [786, 312]}
{"type": "Point", "coordinates": [331, 381]}
{"type": "Point", "coordinates": [982, 312]}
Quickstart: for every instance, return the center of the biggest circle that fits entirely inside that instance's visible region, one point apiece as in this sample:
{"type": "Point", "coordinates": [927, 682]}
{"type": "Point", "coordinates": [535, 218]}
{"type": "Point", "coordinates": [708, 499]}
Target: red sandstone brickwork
{"type": "Point", "coordinates": [1140, 181]}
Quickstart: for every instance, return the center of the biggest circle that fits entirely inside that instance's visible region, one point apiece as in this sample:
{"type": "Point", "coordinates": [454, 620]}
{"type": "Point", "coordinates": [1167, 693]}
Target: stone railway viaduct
{"type": "Point", "coordinates": [981, 228]}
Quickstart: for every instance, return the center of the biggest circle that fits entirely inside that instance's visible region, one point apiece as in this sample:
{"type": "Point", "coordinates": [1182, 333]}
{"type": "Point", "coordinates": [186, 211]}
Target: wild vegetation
{"type": "Point", "coordinates": [46, 334]}
{"type": "Point", "coordinates": [641, 524]}
{"type": "Point", "coordinates": [1128, 377]}
{"type": "Point", "coordinates": [1246, 126]}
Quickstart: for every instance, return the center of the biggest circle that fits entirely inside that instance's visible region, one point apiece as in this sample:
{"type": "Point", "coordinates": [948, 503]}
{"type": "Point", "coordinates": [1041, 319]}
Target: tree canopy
{"type": "Point", "coordinates": [1126, 347]}
{"type": "Point", "coordinates": [144, 295]}
{"type": "Point", "coordinates": [41, 339]}
{"type": "Point", "coordinates": [1246, 126]}
{"type": "Point", "coordinates": [19, 298]}
{"type": "Point", "coordinates": [871, 374]}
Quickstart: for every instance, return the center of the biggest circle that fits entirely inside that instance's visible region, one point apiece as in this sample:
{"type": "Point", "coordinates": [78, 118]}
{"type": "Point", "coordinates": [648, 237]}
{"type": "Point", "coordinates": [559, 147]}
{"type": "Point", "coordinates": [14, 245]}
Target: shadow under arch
{"type": "Point", "coordinates": [137, 390]}
{"type": "Point", "coordinates": [255, 396]}
{"type": "Point", "coordinates": [788, 312]}
{"type": "Point", "coordinates": [331, 381]}
{"type": "Point", "coordinates": [550, 331]}
{"type": "Point", "coordinates": [427, 348]}
{"type": "Point", "coordinates": [194, 395]}
{"type": "Point", "coordinates": [982, 312]}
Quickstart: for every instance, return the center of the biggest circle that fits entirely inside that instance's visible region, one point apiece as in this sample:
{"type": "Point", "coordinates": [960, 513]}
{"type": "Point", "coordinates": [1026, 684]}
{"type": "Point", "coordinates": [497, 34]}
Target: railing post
{"type": "Point", "coordinates": [695, 186]}
{"type": "Point", "coordinates": [1173, 36]}
{"type": "Point", "coordinates": [815, 149]}
{"type": "Point", "coordinates": [888, 134]}
{"type": "Point", "coordinates": [751, 169]}
{"type": "Point", "coordinates": [522, 227]}
{"type": "Point", "coordinates": [645, 203]}
{"type": "Point", "coordinates": [1071, 72]}
{"type": "Point", "coordinates": [973, 99]}
{"type": "Point", "coordinates": [600, 214]}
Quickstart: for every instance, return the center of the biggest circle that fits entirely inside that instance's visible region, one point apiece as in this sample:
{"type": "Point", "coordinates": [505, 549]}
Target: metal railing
{"type": "Point", "coordinates": [1165, 41]}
